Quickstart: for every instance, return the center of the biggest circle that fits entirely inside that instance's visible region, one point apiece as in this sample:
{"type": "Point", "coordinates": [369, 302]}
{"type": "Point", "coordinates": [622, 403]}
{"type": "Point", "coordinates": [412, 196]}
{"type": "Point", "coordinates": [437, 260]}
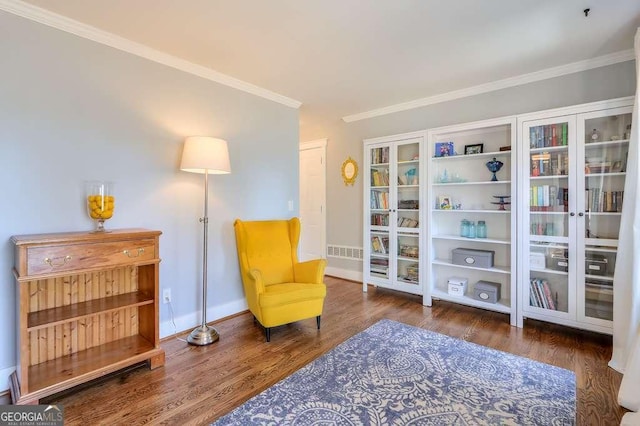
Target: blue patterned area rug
{"type": "Point", "coordinates": [395, 374]}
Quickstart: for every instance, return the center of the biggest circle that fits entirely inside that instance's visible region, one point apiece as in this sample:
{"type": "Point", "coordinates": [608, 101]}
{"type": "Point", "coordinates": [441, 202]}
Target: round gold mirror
{"type": "Point", "coordinates": [349, 171]}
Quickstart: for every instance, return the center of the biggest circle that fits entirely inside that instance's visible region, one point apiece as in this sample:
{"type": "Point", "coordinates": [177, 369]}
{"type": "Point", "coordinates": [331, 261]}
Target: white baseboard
{"type": "Point", "coordinates": [347, 274]}
{"type": "Point", "coordinates": [4, 378]}
{"type": "Point", "coordinates": [193, 319]}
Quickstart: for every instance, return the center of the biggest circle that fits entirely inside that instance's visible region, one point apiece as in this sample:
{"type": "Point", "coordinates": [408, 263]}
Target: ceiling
{"type": "Point", "coordinates": [344, 57]}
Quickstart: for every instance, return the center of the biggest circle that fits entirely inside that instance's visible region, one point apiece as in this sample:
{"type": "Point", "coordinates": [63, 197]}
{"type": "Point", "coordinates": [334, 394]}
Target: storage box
{"type": "Point", "coordinates": [457, 286]}
{"type": "Point", "coordinates": [559, 260]}
{"type": "Point", "coordinates": [596, 264]}
{"type": "Point", "coordinates": [487, 291]}
{"type": "Point", "coordinates": [473, 257]}
{"type": "Point", "coordinates": [537, 260]}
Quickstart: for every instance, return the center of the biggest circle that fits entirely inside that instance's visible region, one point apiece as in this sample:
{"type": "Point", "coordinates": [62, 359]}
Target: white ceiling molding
{"type": "Point", "coordinates": [72, 26]}
{"type": "Point", "coordinates": [601, 61]}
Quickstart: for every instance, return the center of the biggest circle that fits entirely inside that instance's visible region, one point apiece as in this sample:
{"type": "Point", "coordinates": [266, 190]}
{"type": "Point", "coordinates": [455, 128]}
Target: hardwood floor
{"type": "Point", "coordinates": [199, 384]}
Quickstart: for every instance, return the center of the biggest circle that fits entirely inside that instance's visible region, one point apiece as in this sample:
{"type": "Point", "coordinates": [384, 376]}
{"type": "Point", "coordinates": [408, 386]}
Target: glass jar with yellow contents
{"type": "Point", "coordinates": [100, 202]}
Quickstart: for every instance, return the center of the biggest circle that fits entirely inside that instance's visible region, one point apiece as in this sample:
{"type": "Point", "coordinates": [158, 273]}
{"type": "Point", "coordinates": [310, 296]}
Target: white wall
{"type": "Point", "coordinates": [344, 203]}
{"type": "Point", "coordinates": [73, 110]}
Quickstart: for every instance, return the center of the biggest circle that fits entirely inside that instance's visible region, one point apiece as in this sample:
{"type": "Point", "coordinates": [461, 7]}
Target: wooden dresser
{"type": "Point", "coordinates": [87, 305]}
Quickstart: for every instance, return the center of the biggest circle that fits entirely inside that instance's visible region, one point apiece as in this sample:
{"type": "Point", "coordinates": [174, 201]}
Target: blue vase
{"type": "Point", "coordinates": [494, 166]}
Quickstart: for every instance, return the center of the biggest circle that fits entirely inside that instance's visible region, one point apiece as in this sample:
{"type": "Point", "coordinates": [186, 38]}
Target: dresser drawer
{"type": "Point", "coordinates": [46, 260]}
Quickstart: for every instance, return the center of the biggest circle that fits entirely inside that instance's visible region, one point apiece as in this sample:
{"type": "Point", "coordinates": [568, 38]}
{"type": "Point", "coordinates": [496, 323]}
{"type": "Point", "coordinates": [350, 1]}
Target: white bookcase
{"type": "Point", "coordinates": [460, 188]}
{"type": "Point", "coordinates": [571, 192]}
{"type": "Point", "coordinates": [393, 212]}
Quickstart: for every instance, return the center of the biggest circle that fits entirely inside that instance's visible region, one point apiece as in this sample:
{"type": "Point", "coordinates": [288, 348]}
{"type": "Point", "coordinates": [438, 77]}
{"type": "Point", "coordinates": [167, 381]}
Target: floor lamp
{"type": "Point", "coordinates": [205, 155]}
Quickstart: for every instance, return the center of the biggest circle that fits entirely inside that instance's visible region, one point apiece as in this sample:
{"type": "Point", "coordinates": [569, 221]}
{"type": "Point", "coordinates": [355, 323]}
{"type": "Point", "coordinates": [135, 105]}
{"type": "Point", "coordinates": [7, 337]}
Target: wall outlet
{"type": "Point", "coordinates": [166, 295]}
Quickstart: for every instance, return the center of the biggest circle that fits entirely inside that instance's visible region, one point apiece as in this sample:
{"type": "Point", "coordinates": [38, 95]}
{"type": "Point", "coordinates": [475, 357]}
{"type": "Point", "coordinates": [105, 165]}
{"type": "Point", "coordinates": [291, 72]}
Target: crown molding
{"type": "Point", "coordinates": [77, 28]}
{"type": "Point", "coordinates": [601, 61]}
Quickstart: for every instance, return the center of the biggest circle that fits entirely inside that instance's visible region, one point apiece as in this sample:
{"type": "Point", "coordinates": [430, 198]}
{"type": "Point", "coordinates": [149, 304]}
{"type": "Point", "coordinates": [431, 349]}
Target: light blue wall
{"type": "Point", "coordinates": [73, 110]}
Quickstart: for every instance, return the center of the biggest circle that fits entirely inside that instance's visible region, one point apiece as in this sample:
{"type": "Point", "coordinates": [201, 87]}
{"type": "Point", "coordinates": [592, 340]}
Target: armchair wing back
{"type": "Point", "coordinates": [279, 289]}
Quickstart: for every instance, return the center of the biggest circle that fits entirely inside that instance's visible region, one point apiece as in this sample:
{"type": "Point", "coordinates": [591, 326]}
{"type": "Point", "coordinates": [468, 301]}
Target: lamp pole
{"type": "Point", "coordinates": [204, 335]}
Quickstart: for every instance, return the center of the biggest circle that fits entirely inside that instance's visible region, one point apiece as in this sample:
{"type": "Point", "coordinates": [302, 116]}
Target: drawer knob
{"type": "Point", "coordinates": [128, 253]}
{"type": "Point", "coordinates": [57, 261]}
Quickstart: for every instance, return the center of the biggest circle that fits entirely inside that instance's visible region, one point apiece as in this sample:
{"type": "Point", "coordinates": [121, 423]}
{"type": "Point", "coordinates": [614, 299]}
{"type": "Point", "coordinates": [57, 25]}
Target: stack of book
{"type": "Point", "coordinates": [540, 294]}
{"type": "Point", "coordinates": [405, 222]}
{"type": "Point", "coordinates": [379, 266]}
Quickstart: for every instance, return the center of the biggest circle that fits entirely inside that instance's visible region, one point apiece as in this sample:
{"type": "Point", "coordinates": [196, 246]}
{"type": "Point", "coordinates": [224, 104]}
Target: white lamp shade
{"type": "Point", "coordinates": [205, 154]}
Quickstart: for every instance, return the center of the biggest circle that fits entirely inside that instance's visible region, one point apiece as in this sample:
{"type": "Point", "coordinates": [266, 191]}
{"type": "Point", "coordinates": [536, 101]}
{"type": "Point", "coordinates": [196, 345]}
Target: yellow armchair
{"type": "Point", "coordinates": [279, 289]}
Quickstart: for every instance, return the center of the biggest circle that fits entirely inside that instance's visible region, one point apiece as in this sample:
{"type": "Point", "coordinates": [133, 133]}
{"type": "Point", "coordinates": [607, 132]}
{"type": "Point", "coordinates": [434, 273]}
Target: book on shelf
{"type": "Point", "coordinates": [379, 265]}
{"type": "Point", "coordinates": [379, 177]}
{"type": "Point", "coordinates": [379, 200]}
{"type": "Point", "coordinates": [542, 228]}
{"type": "Point", "coordinates": [380, 155]}
{"type": "Point", "coordinates": [379, 244]}
{"type": "Point", "coordinates": [548, 135]}
{"type": "Point", "coordinates": [599, 201]}
{"type": "Point", "coordinates": [376, 245]}
{"type": "Point", "coordinates": [379, 219]}
{"type": "Point", "coordinates": [540, 295]}
{"type": "Point", "coordinates": [549, 164]}
{"type": "Point", "coordinates": [548, 198]}
{"type": "Point", "coordinates": [405, 222]}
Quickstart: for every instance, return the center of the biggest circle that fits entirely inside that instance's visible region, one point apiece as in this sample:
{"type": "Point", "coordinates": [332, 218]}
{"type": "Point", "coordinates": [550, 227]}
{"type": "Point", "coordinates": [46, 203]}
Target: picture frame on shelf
{"type": "Point", "coordinates": [444, 202]}
{"type": "Point", "coordinates": [476, 148]}
{"type": "Point", "coordinates": [444, 149]}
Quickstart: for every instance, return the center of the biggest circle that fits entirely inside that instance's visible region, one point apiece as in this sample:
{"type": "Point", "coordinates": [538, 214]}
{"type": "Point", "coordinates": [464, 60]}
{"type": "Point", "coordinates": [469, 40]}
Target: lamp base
{"type": "Point", "coordinates": [203, 335]}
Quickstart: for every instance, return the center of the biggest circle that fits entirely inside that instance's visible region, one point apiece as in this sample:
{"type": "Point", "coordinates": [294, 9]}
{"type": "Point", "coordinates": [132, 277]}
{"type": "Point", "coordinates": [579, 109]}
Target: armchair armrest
{"type": "Point", "coordinates": [256, 281]}
{"type": "Point", "coordinates": [252, 282]}
{"type": "Point", "coordinates": [311, 271]}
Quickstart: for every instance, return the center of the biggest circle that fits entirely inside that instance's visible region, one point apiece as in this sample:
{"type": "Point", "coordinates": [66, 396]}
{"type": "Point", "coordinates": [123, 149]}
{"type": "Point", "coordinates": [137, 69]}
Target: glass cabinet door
{"type": "Point", "coordinates": [604, 155]}
{"type": "Point", "coordinates": [549, 165]}
{"type": "Point", "coordinates": [392, 233]}
{"type": "Point", "coordinates": [380, 212]}
{"type": "Point", "coordinates": [408, 211]}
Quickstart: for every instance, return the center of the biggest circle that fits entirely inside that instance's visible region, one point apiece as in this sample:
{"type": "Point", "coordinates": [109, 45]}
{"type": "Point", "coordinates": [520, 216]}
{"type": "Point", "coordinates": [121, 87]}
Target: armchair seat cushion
{"type": "Point", "coordinates": [291, 293]}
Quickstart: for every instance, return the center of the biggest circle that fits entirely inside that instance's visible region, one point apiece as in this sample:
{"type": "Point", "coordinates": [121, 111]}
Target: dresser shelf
{"type": "Point", "coordinates": [63, 314]}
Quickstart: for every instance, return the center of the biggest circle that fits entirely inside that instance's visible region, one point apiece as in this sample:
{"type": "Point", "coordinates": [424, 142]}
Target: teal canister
{"type": "Point", "coordinates": [472, 229]}
{"type": "Point", "coordinates": [464, 228]}
{"type": "Point", "coordinates": [481, 229]}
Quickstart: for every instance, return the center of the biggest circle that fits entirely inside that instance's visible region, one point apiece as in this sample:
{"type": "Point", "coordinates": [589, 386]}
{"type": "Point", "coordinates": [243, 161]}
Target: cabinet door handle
{"type": "Point", "coordinates": [128, 253]}
{"type": "Point", "coordinates": [572, 214]}
{"type": "Point", "coordinates": [581, 214]}
{"type": "Point", "coordinates": [57, 261]}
